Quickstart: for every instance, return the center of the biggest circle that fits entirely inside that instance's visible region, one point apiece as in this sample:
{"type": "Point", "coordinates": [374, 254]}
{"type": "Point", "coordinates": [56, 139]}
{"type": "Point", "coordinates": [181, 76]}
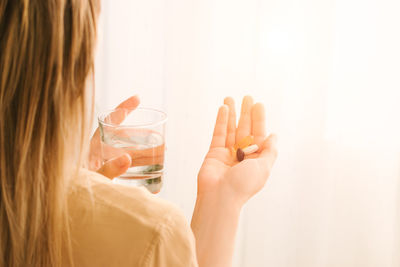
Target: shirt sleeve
{"type": "Point", "coordinates": [173, 244]}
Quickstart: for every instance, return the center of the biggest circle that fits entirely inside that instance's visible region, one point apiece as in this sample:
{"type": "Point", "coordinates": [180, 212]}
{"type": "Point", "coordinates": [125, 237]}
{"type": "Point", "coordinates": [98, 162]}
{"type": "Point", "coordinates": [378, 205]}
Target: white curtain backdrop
{"type": "Point", "coordinates": [328, 72]}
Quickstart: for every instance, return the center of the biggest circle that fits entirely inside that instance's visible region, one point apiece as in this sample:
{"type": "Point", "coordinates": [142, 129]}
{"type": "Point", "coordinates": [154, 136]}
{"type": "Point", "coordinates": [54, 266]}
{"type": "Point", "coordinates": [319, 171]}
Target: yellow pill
{"type": "Point", "coordinates": [245, 142]}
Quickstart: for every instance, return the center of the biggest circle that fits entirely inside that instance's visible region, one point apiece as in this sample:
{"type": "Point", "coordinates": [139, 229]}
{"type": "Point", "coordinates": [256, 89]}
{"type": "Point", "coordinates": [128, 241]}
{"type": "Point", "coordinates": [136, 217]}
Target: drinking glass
{"type": "Point", "coordinates": [139, 133]}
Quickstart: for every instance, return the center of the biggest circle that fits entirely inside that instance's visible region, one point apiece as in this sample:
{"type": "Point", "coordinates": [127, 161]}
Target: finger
{"type": "Point", "coordinates": [117, 117]}
{"type": "Point", "coordinates": [220, 129]}
{"type": "Point", "coordinates": [130, 103]}
{"type": "Point", "coordinates": [244, 126]}
{"type": "Point", "coordinates": [230, 139]}
{"type": "Point", "coordinates": [269, 152]}
{"type": "Point", "coordinates": [150, 156]}
{"type": "Point", "coordinates": [116, 166]}
{"type": "Point", "coordinates": [123, 110]}
{"type": "Point", "coordinates": [258, 123]}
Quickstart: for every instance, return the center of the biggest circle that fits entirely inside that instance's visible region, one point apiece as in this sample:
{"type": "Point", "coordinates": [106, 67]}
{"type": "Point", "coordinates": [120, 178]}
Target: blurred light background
{"type": "Point", "coordinates": [328, 72]}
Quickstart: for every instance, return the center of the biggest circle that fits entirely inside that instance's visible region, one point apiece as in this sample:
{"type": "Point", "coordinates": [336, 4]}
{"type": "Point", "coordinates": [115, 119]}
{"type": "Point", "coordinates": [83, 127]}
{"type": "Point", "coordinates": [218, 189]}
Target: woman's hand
{"type": "Point", "coordinates": [221, 171]}
{"type": "Point", "coordinates": [118, 165]}
{"type": "Point", "coordinates": [224, 184]}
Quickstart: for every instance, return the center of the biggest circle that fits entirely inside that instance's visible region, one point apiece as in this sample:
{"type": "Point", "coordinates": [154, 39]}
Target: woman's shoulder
{"type": "Point", "coordinates": [97, 195]}
{"type": "Point", "coordinates": [99, 190]}
{"type": "Point", "coordinates": [128, 222]}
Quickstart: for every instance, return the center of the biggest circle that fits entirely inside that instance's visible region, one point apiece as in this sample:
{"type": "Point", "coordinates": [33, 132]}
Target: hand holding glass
{"type": "Point", "coordinates": [141, 135]}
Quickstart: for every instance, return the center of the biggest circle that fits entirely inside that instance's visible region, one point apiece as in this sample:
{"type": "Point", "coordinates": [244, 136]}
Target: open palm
{"type": "Point", "coordinates": [221, 168]}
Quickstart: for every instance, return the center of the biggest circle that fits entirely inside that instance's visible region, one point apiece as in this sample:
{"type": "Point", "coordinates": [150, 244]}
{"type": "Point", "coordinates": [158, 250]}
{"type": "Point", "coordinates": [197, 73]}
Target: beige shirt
{"type": "Point", "coordinates": [116, 225]}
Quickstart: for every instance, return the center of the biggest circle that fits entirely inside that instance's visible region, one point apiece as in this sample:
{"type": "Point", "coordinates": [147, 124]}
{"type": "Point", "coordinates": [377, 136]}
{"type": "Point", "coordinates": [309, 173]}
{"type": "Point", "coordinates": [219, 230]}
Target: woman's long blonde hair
{"type": "Point", "coordinates": [46, 55]}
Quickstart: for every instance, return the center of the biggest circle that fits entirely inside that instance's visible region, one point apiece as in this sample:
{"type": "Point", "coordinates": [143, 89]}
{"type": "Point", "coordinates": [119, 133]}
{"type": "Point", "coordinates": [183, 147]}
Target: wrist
{"type": "Point", "coordinates": [214, 224]}
{"type": "Point", "coordinates": [216, 206]}
{"type": "Point", "coordinates": [220, 197]}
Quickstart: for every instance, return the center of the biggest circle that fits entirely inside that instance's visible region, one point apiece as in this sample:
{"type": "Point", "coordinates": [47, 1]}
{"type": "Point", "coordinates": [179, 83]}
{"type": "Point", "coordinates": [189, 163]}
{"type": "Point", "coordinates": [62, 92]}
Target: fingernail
{"type": "Point", "coordinates": [227, 99]}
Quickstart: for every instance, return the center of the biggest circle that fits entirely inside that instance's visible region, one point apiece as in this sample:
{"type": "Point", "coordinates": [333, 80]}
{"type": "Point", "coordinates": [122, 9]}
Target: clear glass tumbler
{"type": "Point", "coordinates": [140, 133]}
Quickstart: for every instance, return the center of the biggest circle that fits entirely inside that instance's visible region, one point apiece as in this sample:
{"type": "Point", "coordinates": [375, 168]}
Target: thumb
{"type": "Point", "coordinates": [116, 166]}
{"type": "Point", "coordinates": [269, 151]}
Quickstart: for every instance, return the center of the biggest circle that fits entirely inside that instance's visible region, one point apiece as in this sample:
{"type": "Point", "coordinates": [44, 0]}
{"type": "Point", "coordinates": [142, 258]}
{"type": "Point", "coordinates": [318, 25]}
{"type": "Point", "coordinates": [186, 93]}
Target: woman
{"type": "Point", "coordinates": [53, 211]}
